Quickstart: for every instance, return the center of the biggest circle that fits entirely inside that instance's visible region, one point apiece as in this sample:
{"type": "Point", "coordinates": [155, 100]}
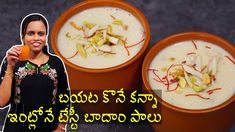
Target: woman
{"type": "Point", "coordinates": [35, 83]}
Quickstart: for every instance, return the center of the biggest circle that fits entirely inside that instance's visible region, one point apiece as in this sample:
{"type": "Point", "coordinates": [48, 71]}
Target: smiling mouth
{"type": "Point", "coordinates": [36, 44]}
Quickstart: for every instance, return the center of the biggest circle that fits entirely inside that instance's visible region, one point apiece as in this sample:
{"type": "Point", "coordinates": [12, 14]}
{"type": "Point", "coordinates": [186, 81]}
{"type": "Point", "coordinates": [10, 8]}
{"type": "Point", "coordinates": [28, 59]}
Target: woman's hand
{"type": "Point", "coordinates": [60, 128]}
{"type": "Point", "coordinates": [13, 55]}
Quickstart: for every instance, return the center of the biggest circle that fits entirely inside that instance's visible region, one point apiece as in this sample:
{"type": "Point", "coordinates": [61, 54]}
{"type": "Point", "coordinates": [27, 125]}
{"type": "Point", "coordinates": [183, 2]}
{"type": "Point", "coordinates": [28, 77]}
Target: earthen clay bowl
{"type": "Point", "coordinates": [218, 118]}
{"type": "Point", "coordinates": [126, 75]}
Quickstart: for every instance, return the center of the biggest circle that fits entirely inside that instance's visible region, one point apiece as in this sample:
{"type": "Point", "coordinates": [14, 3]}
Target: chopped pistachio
{"type": "Point", "coordinates": [101, 42]}
{"type": "Point", "coordinates": [114, 35]}
{"type": "Point", "coordinates": [109, 29]}
{"type": "Point", "coordinates": [164, 69]}
{"type": "Point", "coordinates": [92, 40]}
{"type": "Point", "coordinates": [99, 33]}
{"type": "Point", "coordinates": [177, 71]}
{"type": "Point", "coordinates": [118, 22]}
{"type": "Point", "coordinates": [94, 50]}
{"type": "Point", "coordinates": [172, 59]}
{"type": "Point", "coordinates": [182, 82]}
{"type": "Point", "coordinates": [193, 79]}
{"type": "Point", "coordinates": [88, 25]}
{"type": "Point", "coordinates": [81, 50]}
{"type": "Point", "coordinates": [96, 38]}
{"type": "Point", "coordinates": [198, 88]}
{"type": "Point", "coordinates": [68, 35]}
{"type": "Point", "coordinates": [206, 79]}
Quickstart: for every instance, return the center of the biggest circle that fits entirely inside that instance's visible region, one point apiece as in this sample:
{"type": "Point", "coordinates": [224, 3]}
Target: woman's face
{"type": "Point", "coordinates": [35, 36]}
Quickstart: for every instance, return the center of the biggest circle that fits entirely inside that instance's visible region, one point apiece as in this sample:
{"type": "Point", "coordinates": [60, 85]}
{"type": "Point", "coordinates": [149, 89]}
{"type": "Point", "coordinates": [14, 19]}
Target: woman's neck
{"type": "Point", "coordinates": [38, 58]}
{"type": "Point", "coordinates": [33, 55]}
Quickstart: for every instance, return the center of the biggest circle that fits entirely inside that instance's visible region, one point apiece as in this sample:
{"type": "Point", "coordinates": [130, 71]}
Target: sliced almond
{"type": "Point", "coordinates": [187, 79]}
{"type": "Point", "coordinates": [104, 33]}
{"type": "Point", "coordinates": [198, 66]}
{"type": "Point", "coordinates": [105, 48]}
{"type": "Point", "coordinates": [93, 30]}
{"type": "Point", "coordinates": [113, 40]}
{"type": "Point", "coordinates": [190, 60]}
{"type": "Point", "coordinates": [102, 27]}
{"type": "Point", "coordinates": [214, 66]}
{"type": "Point", "coordinates": [83, 41]}
{"type": "Point", "coordinates": [85, 31]}
{"type": "Point", "coordinates": [190, 70]}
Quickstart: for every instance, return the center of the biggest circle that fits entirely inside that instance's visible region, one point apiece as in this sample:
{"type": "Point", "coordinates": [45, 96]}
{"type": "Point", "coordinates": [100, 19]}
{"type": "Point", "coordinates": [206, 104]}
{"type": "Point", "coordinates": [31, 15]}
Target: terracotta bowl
{"type": "Point", "coordinates": [218, 118]}
{"type": "Point", "coordinates": [126, 75]}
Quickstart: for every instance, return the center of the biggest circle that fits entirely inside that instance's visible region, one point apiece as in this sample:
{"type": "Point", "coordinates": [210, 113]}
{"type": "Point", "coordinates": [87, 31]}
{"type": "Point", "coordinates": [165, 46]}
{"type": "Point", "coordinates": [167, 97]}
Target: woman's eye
{"type": "Point", "coordinates": [41, 33]}
{"type": "Point", "coordinates": [30, 33]}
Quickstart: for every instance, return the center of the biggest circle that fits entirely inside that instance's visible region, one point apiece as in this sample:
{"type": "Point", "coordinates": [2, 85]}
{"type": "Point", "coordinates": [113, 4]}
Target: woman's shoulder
{"type": "Point", "coordinates": [55, 59]}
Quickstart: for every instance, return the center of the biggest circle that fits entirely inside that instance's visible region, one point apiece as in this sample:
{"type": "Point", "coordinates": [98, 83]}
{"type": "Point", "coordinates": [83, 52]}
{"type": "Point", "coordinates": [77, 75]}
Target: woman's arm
{"type": "Point", "coordinates": [63, 88]}
{"type": "Point", "coordinates": [7, 74]}
{"type": "Point", "coordinates": [5, 87]}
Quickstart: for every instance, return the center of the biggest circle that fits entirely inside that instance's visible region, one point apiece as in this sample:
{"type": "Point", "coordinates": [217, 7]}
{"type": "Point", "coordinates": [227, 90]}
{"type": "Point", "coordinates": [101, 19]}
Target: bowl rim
{"type": "Point", "coordinates": [81, 6]}
{"type": "Point", "coordinates": [227, 46]}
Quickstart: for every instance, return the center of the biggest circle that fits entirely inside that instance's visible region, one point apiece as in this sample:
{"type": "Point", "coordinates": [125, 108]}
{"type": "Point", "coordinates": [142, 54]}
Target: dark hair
{"type": "Point", "coordinates": [30, 18]}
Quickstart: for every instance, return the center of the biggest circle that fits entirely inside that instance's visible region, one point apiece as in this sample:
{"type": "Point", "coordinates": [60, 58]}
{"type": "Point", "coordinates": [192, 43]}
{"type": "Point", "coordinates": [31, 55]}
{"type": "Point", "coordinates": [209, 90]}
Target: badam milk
{"type": "Point", "coordinates": [98, 35]}
{"type": "Point", "coordinates": [206, 75]}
